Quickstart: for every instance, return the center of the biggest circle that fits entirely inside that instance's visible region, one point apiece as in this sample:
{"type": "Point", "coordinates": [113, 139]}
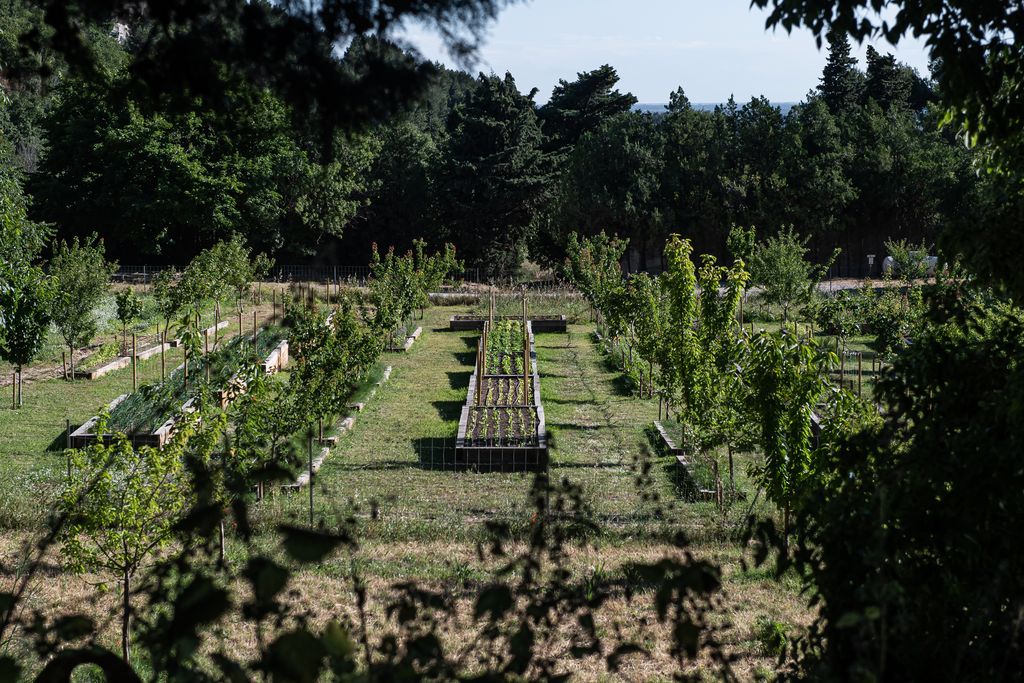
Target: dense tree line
{"type": "Point", "coordinates": [472, 161]}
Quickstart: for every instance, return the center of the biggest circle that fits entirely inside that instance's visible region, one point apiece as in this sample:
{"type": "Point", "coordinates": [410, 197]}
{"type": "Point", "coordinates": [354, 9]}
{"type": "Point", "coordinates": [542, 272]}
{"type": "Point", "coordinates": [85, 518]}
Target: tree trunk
{"type": "Point", "coordinates": [222, 542]}
{"type": "Point", "coordinates": [126, 616]}
{"type": "Point", "coordinates": [21, 387]}
{"type": "Point", "coordinates": [72, 349]}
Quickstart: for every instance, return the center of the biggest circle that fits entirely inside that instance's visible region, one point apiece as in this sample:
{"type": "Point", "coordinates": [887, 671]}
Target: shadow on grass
{"type": "Point", "coordinates": [60, 442]}
{"type": "Point", "coordinates": [571, 401]}
{"type": "Point", "coordinates": [465, 357]}
{"type": "Point", "coordinates": [569, 426]}
{"type": "Point", "coordinates": [448, 410]}
{"type": "Point", "coordinates": [685, 485]}
{"type": "Point", "coordinates": [459, 380]}
{"type": "Point", "coordinates": [434, 453]}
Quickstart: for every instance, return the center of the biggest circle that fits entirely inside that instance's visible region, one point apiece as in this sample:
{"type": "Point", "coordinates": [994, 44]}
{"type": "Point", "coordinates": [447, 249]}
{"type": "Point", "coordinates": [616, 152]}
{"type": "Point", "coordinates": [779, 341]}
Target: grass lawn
{"type": "Point", "coordinates": [430, 518]}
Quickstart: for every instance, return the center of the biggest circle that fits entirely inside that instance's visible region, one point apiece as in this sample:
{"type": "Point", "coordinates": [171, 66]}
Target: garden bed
{"type": "Point", "coordinates": [148, 416]}
{"type": "Point", "coordinates": [540, 323]}
{"type": "Point", "coordinates": [504, 431]}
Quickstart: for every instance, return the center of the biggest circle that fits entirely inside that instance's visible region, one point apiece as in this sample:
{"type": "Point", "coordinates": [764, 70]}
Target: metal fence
{"type": "Point", "coordinates": [352, 275]}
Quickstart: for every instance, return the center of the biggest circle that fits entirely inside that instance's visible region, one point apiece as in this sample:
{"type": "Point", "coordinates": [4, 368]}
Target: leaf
{"type": "Point", "coordinates": [304, 545]}
{"type": "Point", "coordinates": [296, 656]}
{"type": "Point", "coordinates": [494, 600]}
{"type": "Point", "coordinates": [72, 627]}
{"type": "Point", "coordinates": [266, 577]}
{"type": "Point", "coordinates": [10, 671]}
{"type": "Point", "coordinates": [849, 620]}
{"type": "Point", "coordinates": [337, 641]}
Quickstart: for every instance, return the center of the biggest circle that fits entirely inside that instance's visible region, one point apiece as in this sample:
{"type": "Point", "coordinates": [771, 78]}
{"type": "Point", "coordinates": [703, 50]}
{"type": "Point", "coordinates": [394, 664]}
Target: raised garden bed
{"type": "Point", "coordinates": [540, 323]}
{"type": "Point", "coordinates": [148, 416]}
{"type": "Point", "coordinates": [502, 424]}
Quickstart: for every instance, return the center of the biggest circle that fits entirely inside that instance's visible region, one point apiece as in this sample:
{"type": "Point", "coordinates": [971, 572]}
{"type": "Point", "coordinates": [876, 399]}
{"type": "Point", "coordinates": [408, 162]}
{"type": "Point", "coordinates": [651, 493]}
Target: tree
{"type": "Point", "coordinates": [612, 182]}
{"type": "Point", "coordinates": [129, 308]}
{"type": "Point", "coordinates": [496, 179]}
{"type": "Point", "coordinates": [893, 537]}
{"type": "Point", "coordinates": [122, 505]}
{"type": "Point", "coordinates": [393, 291]}
{"type": "Point", "coordinates": [285, 48]}
{"type": "Point", "coordinates": [81, 277]}
{"type": "Point", "coordinates": [581, 106]}
{"type": "Point", "coordinates": [25, 296]}
{"type": "Point", "coordinates": [787, 377]}
{"type": "Point", "coordinates": [702, 342]}
{"type": "Point", "coordinates": [780, 269]}
{"type": "Point", "coordinates": [431, 270]}
{"type": "Point", "coordinates": [975, 47]}
{"type": "Point", "coordinates": [841, 82]}
{"type": "Point", "coordinates": [886, 83]}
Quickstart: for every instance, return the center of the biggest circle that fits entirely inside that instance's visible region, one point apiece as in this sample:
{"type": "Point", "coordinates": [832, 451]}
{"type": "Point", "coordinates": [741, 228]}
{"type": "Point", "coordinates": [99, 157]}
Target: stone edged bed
{"type": "Point", "coordinates": [122, 362]}
{"type": "Point", "coordinates": [85, 436]}
{"type": "Point", "coordinates": [485, 454]}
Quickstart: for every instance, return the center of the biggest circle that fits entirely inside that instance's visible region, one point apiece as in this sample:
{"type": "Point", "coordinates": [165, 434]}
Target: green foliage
{"type": "Point", "coordinates": [129, 308]}
{"type": "Point", "coordinates": [26, 296]}
{"type": "Point", "coordinates": [432, 270]}
{"type": "Point", "coordinates": [583, 105]}
{"type": "Point", "coordinates": [771, 635]}
{"type": "Point", "coordinates": [787, 377]}
{"type": "Point", "coordinates": [908, 530]}
{"type": "Point", "coordinates": [701, 340]}
{"type": "Point", "coordinates": [741, 243]}
{"type": "Point", "coordinates": [496, 178]}
{"type": "Point", "coordinates": [81, 277]}
{"type": "Point", "coordinates": [780, 268]}
{"type": "Point", "coordinates": [122, 506]}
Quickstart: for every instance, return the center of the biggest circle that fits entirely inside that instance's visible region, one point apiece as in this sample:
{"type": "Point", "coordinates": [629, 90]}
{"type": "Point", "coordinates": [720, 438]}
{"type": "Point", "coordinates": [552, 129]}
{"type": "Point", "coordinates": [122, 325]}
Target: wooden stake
{"type": "Point", "coordinates": [206, 350]}
{"type": "Point", "coordinates": [274, 292]}
{"type": "Point", "coordinates": [64, 362]}
{"type": "Point", "coordinates": [216, 327]}
{"type": "Point", "coordinates": [163, 349]}
{"type": "Point", "coordinates": [860, 372]}
{"type": "Point", "coordinates": [14, 390]}
{"type": "Point", "coordinates": [311, 481]}
{"type": "Point", "coordinates": [135, 363]}
{"type": "Point", "coordinates": [254, 329]}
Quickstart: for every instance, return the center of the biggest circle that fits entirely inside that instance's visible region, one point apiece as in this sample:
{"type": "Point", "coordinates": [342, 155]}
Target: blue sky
{"type": "Point", "coordinates": [712, 48]}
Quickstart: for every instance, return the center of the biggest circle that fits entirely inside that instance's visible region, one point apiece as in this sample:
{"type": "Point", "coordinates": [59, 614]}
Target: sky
{"type": "Point", "coordinates": [711, 48]}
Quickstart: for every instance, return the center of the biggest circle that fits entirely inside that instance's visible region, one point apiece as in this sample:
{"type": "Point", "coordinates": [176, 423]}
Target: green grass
{"type": "Point", "coordinates": [428, 518]}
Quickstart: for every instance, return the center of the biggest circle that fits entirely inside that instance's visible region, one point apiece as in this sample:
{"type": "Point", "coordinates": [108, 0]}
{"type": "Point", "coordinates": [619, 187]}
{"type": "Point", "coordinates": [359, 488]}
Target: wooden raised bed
{"type": "Point", "coordinates": [541, 323]}
{"type": "Point", "coordinates": [505, 432]}
{"type": "Point", "coordinates": [84, 435]}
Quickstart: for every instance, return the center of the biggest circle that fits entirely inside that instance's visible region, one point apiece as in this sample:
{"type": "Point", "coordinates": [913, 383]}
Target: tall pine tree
{"type": "Point", "coordinates": [841, 81]}
{"type": "Point", "coordinates": [582, 105]}
{"type": "Point", "coordinates": [496, 179]}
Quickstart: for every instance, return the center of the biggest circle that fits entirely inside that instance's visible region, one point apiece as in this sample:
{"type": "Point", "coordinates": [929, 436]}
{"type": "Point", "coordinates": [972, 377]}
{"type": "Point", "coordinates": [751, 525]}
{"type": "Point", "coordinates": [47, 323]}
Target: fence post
{"type": "Point", "coordinates": [135, 363]}
{"type": "Point", "coordinates": [311, 481]}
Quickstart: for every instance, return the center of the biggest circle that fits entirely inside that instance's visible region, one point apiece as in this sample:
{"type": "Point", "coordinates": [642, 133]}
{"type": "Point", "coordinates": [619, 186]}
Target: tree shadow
{"type": "Point", "coordinates": [449, 411]}
{"type": "Point", "coordinates": [459, 380]}
{"type": "Point", "coordinates": [465, 357]}
{"type": "Point", "coordinates": [60, 442]}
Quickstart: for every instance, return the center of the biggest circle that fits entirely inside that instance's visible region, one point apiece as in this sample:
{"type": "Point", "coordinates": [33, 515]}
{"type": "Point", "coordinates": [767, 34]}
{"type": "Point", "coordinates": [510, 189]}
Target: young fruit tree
{"type": "Point", "coordinates": [703, 345]}
{"type": "Point", "coordinates": [25, 295]}
{"type": "Point", "coordinates": [393, 290]}
{"type": "Point", "coordinates": [780, 268]}
{"type": "Point", "coordinates": [431, 271]}
{"type": "Point", "coordinates": [122, 505]}
{"type": "Point", "coordinates": [81, 277]}
{"type": "Point", "coordinates": [129, 309]}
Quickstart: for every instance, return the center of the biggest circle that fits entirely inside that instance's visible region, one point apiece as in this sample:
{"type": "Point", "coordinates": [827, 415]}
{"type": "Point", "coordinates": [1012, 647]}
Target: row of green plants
{"type": "Point", "coordinates": [402, 283]}
{"type": "Point", "coordinates": [680, 338]}
{"type": "Point", "coordinates": [504, 353]}
{"type": "Point", "coordinates": [149, 407]}
{"type": "Point", "coordinates": [67, 290]}
{"type": "Point", "coordinates": [500, 426]}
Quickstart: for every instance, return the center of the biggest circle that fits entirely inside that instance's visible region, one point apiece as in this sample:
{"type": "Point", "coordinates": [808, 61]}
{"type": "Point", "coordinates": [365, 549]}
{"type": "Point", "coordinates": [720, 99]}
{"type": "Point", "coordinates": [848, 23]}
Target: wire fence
{"type": "Point", "coordinates": [351, 275]}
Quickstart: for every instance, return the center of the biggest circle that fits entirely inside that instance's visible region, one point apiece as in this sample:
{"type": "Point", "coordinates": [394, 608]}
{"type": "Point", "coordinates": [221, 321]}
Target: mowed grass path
{"type": "Point", "coordinates": [395, 458]}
